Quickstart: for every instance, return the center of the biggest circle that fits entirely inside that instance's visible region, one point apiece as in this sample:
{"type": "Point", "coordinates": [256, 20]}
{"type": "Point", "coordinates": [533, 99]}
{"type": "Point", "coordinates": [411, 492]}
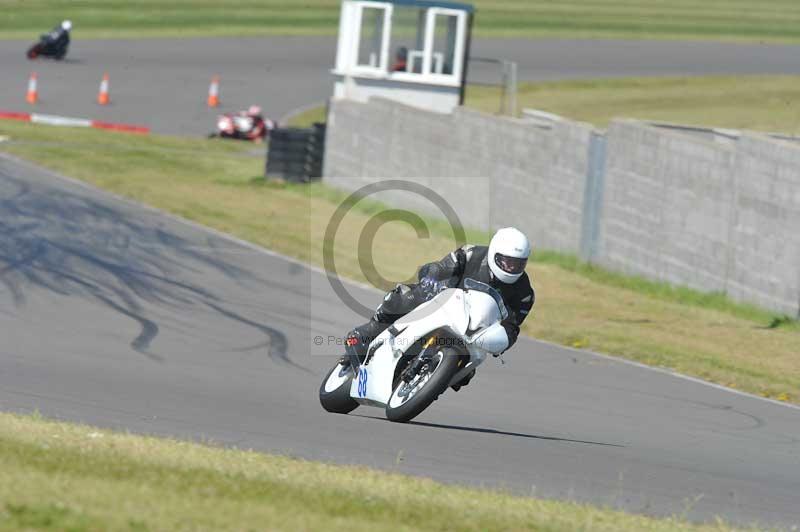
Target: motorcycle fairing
{"type": "Point", "coordinates": [449, 310]}
{"type": "Point", "coordinates": [373, 381]}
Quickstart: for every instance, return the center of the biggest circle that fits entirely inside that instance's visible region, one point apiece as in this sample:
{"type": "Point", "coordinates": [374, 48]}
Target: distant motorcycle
{"type": "Point", "coordinates": [53, 44]}
{"type": "Point", "coordinates": [244, 125]}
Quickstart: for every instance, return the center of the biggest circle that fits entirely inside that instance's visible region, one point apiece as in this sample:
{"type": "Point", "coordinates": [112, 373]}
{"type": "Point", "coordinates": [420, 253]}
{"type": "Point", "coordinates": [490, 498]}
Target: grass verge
{"type": "Point", "coordinates": [765, 103]}
{"type": "Point", "coordinates": [307, 117]}
{"type": "Point", "coordinates": [738, 20]}
{"type": "Point", "coordinates": [761, 103]}
{"type": "Point", "coordinates": [59, 476]}
{"type": "Point", "coordinates": [218, 184]}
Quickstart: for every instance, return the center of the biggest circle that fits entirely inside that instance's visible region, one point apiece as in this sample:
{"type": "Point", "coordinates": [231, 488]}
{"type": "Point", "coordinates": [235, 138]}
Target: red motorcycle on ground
{"type": "Point", "coordinates": [244, 125]}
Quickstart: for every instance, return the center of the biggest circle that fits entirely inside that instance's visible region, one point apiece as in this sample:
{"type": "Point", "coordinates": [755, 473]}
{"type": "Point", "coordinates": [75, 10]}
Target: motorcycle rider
{"type": "Point", "coordinates": [400, 60]}
{"type": "Point", "coordinates": [262, 126]}
{"type": "Point", "coordinates": [52, 44]}
{"type": "Point", "coordinates": [59, 37]}
{"type": "Point", "coordinates": [254, 111]}
{"type": "Point", "coordinates": [501, 265]}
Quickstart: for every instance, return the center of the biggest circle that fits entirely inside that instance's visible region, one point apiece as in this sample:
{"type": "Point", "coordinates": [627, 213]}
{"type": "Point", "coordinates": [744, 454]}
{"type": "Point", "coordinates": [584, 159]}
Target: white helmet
{"type": "Point", "coordinates": [508, 254]}
{"type": "Point", "coordinates": [67, 25]}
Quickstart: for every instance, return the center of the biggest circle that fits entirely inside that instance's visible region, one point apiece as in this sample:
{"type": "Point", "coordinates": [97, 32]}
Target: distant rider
{"type": "Point", "coordinates": [401, 60]}
{"type": "Point", "coordinates": [59, 36]}
{"type": "Point", "coordinates": [501, 265]}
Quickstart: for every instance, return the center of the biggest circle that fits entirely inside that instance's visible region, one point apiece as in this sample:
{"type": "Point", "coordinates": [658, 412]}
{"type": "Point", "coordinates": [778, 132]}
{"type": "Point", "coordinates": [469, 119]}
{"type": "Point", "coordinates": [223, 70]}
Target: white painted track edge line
{"type": "Point", "coordinates": [55, 120]}
{"type": "Point", "coordinates": [317, 269]}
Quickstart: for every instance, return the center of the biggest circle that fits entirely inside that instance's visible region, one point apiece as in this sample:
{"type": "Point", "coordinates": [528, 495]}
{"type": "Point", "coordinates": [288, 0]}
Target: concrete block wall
{"type": "Point", "coordinates": [493, 171]}
{"type": "Point", "coordinates": [765, 234]}
{"type": "Point", "coordinates": [712, 216]}
{"type": "Point", "coordinates": [661, 203]}
{"type": "Point", "coordinates": [384, 140]}
{"type": "Point", "coordinates": [537, 175]}
{"type": "Point", "coordinates": [667, 206]}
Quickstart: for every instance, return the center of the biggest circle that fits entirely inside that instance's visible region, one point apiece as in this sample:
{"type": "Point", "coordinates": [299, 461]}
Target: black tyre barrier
{"type": "Point", "coordinates": [296, 154]}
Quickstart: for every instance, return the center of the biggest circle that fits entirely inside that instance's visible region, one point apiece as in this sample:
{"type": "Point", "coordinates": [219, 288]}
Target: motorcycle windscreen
{"type": "Point", "coordinates": [483, 310]}
{"type": "Point", "coordinates": [474, 288]}
{"type": "Point", "coordinates": [446, 310]}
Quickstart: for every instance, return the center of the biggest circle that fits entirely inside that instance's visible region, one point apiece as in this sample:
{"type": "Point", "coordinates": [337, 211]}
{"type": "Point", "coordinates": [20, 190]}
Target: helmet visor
{"type": "Point", "coordinates": [511, 265]}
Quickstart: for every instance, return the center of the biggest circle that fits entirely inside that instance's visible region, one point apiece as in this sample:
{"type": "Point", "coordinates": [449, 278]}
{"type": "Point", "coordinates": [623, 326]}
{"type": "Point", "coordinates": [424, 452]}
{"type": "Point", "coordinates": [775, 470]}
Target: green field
{"type": "Point", "coordinates": [765, 103]}
{"type": "Point", "coordinates": [218, 183]}
{"type": "Point", "coordinates": [760, 103]}
{"type": "Point", "coordinates": [766, 20]}
{"type": "Point", "coordinates": [57, 476]}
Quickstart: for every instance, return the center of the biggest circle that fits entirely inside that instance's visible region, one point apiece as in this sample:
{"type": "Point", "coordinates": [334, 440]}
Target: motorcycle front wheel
{"type": "Point", "coordinates": [334, 393]}
{"type": "Point", "coordinates": [410, 399]}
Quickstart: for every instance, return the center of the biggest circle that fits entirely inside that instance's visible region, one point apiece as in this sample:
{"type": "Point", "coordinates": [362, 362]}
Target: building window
{"type": "Point", "coordinates": [445, 31]}
{"type": "Point", "coordinates": [405, 43]}
{"type": "Point", "coordinates": [372, 36]}
{"type": "Point", "coordinates": [408, 39]}
{"type": "Point", "coordinates": [445, 42]}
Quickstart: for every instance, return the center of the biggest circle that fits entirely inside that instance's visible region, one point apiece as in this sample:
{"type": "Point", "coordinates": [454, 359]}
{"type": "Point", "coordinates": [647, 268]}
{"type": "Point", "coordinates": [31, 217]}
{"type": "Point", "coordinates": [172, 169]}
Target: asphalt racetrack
{"type": "Point", "coordinates": [116, 315]}
{"type": "Point", "coordinates": [163, 83]}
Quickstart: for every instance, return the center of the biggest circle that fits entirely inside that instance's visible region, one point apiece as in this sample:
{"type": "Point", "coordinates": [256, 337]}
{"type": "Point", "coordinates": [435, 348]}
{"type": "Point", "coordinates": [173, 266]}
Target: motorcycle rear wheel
{"type": "Point", "coordinates": [409, 400]}
{"type": "Point", "coordinates": [334, 393]}
{"type": "Point", "coordinates": [34, 51]}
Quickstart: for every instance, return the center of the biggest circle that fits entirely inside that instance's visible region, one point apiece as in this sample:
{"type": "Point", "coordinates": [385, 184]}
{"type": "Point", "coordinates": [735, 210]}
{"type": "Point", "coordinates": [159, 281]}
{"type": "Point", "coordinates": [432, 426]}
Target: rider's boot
{"type": "Point", "coordinates": [395, 304]}
{"type": "Point", "coordinates": [357, 341]}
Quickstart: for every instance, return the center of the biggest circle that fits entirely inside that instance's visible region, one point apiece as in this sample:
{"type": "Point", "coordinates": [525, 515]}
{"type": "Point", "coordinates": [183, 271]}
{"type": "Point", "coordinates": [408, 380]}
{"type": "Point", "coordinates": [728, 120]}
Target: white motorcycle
{"type": "Point", "coordinates": [415, 360]}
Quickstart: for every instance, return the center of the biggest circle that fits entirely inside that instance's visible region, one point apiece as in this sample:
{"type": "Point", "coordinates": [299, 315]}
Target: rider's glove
{"type": "Point", "coordinates": [432, 286]}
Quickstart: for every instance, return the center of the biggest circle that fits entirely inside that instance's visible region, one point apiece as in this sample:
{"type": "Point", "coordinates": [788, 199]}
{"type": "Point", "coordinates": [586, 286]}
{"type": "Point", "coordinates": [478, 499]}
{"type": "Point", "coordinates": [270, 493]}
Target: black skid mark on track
{"type": "Point", "coordinates": [249, 348]}
{"type": "Point", "coordinates": [278, 345]}
{"type": "Point", "coordinates": [13, 264]}
{"type": "Point", "coordinates": [149, 330]}
{"type": "Point", "coordinates": [754, 422]}
{"type": "Point", "coordinates": [77, 246]}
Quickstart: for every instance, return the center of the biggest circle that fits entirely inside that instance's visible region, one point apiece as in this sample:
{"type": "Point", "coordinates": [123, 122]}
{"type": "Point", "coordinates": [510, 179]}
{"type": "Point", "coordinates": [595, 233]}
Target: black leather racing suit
{"type": "Point", "coordinates": [56, 41]}
{"type": "Point", "coordinates": [465, 262]}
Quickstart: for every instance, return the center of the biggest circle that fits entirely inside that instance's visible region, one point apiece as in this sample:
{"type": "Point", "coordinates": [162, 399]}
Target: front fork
{"type": "Point", "coordinates": [419, 362]}
{"type": "Point", "coordinates": [415, 367]}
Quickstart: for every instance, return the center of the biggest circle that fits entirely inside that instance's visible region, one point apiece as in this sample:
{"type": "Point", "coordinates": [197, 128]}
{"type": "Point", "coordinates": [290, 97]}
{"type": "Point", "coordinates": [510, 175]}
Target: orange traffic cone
{"type": "Point", "coordinates": [33, 94]}
{"type": "Point", "coordinates": [213, 92]}
{"type": "Point", "coordinates": [102, 96]}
